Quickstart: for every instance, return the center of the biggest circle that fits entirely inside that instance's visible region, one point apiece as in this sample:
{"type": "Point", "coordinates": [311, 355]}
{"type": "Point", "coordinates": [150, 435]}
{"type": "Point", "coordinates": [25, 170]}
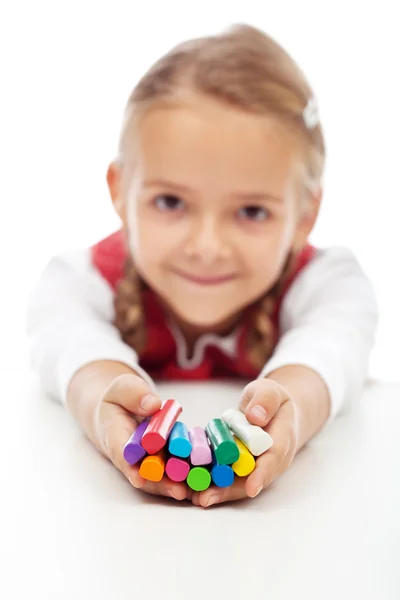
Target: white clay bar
{"type": "Point", "coordinates": [253, 437]}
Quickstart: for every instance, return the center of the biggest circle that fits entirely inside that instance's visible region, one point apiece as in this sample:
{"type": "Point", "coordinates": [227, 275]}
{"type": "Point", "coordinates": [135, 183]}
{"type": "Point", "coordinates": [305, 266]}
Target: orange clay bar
{"type": "Point", "coordinates": [152, 467]}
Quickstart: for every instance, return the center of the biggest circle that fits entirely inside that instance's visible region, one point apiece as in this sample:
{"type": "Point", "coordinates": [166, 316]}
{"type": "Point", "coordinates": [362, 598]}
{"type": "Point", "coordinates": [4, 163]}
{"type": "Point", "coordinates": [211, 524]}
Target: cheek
{"type": "Point", "coordinates": [149, 245]}
{"type": "Point", "coordinates": [265, 255]}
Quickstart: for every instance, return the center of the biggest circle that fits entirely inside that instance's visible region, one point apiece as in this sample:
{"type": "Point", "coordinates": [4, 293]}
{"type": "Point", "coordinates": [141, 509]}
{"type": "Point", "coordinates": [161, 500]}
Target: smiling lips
{"type": "Point", "coordinates": [215, 280]}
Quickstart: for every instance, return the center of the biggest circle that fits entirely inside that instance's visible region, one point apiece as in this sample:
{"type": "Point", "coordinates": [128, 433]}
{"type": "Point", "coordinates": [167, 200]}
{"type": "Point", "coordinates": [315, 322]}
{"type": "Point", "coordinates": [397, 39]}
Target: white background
{"type": "Point", "coordinates": [329, 528]}
{"type": "Point", "coordinates": [67, 69]}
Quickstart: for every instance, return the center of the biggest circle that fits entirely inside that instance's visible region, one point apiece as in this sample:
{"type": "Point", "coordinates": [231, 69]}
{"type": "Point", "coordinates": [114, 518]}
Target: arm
{"type": "Point", "coordinates": [82, 361]}
{"type": "Point", "coordinates": [69, 323]}
{"type": "Point", "coordinates": [328, 325]}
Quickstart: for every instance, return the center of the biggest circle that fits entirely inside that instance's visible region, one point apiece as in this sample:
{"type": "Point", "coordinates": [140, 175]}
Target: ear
{"type": "Point", "coordinates": [114, 182]}
{"type": "Point", "coordinates": [307, 219]}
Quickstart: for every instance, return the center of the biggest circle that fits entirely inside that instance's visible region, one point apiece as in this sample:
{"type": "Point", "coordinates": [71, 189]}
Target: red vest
{"type": "Point", "coordinates": [158, 358]}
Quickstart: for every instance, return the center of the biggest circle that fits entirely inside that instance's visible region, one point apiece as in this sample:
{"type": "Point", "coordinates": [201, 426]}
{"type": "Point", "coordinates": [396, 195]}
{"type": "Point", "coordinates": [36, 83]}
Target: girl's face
{"type": "Point", "coordinates": [213, 208]}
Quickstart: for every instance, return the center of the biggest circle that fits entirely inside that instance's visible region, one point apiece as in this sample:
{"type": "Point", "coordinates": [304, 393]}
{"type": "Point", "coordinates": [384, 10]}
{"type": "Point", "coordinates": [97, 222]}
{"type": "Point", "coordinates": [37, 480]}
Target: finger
{"type": "Point", "coordinates": [261, 400]}
{"type": "Point", "coordinates": [166, 487]}
{"type": "Point", "coordinates": [134, 394]}
{"type": "Point", "coordinates": [278, 458]}
{"type": "Point", "coordinates": [215, 495]}
{"type": "Point", "coordinates": [115, 428]}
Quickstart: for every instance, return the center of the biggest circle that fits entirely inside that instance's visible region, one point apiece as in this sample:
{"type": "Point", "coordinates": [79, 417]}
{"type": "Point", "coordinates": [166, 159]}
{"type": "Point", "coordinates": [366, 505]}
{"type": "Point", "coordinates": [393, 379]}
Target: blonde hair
{"type": "Point", "coordinates": [247, 69]}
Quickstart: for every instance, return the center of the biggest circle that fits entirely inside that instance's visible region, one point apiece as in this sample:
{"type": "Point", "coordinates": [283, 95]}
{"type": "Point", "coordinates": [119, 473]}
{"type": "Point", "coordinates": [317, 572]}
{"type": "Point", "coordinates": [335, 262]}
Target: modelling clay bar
{"type": "Point", "coordinates": [226, 448]}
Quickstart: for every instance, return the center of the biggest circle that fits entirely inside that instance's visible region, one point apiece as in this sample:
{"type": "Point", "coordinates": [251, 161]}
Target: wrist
{"type": "Point", "coordinates": [86, 390]}
{"type": "Point", "coordinates": [310, 396]}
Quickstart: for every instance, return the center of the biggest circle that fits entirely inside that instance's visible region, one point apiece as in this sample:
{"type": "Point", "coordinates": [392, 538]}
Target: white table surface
{"type": "Point", "coordinates": [73, 528]}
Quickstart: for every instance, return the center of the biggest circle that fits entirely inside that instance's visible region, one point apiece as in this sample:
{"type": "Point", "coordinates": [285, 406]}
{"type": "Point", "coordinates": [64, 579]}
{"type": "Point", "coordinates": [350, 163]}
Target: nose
{"type": "Point", "coordinates": [206, 241]}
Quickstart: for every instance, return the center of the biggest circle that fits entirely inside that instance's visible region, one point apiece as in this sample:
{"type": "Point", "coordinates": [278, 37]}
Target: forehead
{"type": "Point", "coordinates": [203, 142]}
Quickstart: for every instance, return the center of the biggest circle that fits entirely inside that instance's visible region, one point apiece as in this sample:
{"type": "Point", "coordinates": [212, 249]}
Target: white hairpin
{"type": "Point", "coordinates": [311, 114]}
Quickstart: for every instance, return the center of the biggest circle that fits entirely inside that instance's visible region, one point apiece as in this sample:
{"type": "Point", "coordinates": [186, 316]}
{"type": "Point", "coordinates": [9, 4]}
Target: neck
{"type": "Point", "coordinates": [192, 332]}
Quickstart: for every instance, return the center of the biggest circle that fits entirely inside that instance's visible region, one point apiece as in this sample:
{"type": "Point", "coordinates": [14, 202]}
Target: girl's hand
{"type": "Point", "coordinates": [126, 402]}
{"type": "Point", "coordinates": [267, 404]}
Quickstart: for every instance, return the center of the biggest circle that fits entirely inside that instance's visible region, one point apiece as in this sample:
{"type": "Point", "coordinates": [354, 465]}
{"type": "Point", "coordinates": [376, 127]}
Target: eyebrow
{"type": "Point", "coordinates": [250, 196]}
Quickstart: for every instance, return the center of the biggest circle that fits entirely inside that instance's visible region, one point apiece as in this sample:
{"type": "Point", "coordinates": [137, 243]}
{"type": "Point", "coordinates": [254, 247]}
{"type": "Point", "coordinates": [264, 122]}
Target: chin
{"type": "Point", "coordinates": [204, 318]}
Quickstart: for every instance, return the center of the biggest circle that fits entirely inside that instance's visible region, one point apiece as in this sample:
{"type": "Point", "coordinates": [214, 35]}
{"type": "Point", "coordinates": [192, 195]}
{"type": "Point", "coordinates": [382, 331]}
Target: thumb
{"type": "Point", "coordinates": [261, 399]}
{"type": "Point", "coordinates": [134, 395]}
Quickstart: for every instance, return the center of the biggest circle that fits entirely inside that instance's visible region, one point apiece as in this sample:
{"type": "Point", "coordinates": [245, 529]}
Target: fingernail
{"type": "Point", "coordinates": [195, 500]}
{"type": "Point", "coordinates": [147, 401]}
{"type": "Point", "coordinates": [213, 500]}
{"type": "Point", "coordinates": [137, 484]}
{"type": "Point", "coordinates": [258, 490]}
{"type": "Point", "coordinates": [259, 412]}
{"type": "Point", "coordinates": [173, 495]}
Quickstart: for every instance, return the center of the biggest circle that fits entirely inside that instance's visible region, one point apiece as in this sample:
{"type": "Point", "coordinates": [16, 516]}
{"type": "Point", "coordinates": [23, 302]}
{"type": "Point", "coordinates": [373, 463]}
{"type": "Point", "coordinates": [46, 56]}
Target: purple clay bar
{"type": "Point", "coordinates": [133, 450]}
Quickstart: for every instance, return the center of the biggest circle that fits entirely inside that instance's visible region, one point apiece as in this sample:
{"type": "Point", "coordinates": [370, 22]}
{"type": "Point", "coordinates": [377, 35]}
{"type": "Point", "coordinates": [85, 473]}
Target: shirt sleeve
{"type": "Point", "coordinates": [69, 323]}
{"type": "Point", "coordinates": [328, 322]}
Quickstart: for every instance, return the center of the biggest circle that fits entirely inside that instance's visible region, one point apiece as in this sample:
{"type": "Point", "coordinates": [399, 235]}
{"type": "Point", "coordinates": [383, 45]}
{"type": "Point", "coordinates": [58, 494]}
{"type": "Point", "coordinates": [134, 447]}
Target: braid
{"type": "Point", "coordinates": [128, 304]}
{"type": "Point", "coordinates": [261, 338]}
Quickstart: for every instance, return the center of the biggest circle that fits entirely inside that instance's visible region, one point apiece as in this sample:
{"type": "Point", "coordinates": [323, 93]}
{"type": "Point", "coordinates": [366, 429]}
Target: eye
{"type": "Point", "coordinates": [168, 203]}
{"type": "Point", "coordinates": [254, 213]}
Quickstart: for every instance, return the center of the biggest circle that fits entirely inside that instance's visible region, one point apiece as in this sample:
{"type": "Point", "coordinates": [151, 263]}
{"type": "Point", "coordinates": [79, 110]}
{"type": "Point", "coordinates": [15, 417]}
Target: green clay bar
{"type": "Point", "coordinates": [222, 442]}
{"type": "Point", "coordinates": [198, 479]}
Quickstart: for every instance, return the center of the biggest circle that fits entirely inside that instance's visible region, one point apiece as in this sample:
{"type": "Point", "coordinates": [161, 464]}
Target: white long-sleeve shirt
{"type": "Point", "coordinates": [328, 322]}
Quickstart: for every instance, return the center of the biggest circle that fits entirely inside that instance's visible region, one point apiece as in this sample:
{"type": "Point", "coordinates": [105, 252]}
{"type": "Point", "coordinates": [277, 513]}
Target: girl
{"type": "Point", "coordinates": [218, 185]}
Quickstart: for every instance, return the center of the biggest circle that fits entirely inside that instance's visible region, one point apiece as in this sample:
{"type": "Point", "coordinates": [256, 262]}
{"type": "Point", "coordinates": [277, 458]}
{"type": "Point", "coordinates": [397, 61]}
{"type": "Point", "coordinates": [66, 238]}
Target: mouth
{"type": "Point", "coordinates": [204, 280]}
